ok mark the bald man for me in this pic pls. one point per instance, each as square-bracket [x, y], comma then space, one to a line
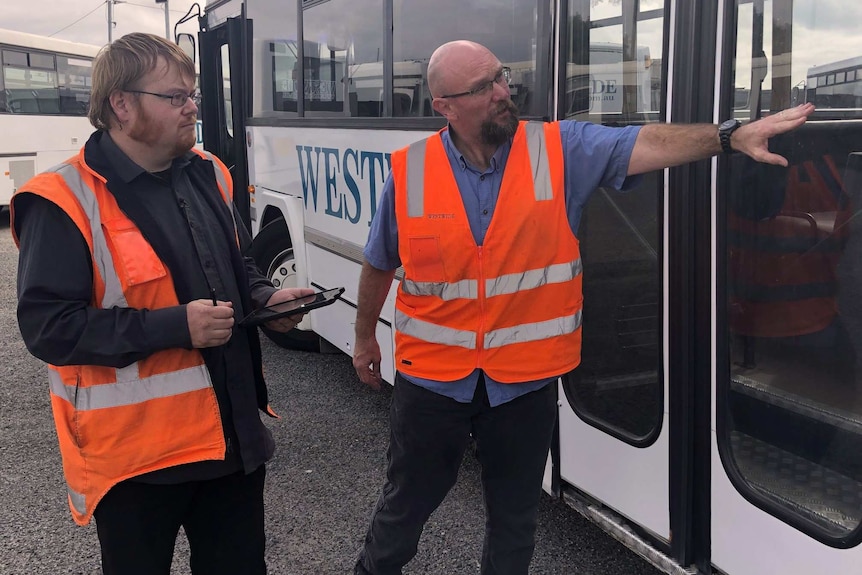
[488, 314]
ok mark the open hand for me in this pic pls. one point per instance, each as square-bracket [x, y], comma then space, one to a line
[753, 139]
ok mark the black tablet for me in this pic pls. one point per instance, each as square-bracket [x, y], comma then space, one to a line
[293, 306]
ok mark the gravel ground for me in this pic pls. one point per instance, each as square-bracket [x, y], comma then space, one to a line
[321, 485]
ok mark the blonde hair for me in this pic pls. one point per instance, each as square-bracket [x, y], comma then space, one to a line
[125, 61]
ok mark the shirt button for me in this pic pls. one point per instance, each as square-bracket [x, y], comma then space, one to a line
[484, 212]
[482, 178]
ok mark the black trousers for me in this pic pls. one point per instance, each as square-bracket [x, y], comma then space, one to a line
[428, 436]
[138, 525]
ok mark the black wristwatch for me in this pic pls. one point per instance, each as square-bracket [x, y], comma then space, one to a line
[725, 130]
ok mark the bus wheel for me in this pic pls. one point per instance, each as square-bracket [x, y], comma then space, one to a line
[273, 254]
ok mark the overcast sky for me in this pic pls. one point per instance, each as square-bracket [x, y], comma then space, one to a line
[58, 18]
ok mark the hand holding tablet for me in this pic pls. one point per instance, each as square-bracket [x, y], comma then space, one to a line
[290, 307]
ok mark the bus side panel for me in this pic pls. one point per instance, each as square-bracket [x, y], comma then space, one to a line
[335, 323]
[32, 144]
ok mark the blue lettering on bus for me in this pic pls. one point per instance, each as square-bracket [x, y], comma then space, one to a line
[199, 133]
[330, 168]
[343, 174]
[351, 158]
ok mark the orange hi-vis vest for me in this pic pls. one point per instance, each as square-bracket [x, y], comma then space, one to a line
[117, 423]
[512, 306]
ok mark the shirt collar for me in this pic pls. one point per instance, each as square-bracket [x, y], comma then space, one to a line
[123, 165]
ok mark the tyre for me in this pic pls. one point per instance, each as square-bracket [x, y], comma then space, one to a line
[272, 251]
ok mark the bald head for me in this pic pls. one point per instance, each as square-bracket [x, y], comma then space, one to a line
[451, 64]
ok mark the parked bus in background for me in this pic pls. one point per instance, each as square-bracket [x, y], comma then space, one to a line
[715, 422]
[837, 85]
[44, 96]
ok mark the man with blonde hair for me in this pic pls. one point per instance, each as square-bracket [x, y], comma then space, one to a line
[131, 274]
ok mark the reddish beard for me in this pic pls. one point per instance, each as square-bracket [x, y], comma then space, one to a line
[147, 131]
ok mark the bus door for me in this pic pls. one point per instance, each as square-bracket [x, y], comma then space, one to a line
[613, 427]
[225, 105]
[786, 445]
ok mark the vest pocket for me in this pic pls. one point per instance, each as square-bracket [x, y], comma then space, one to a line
[135, 259]
[425, 256]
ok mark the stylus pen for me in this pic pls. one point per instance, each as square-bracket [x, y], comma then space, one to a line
[213, 294]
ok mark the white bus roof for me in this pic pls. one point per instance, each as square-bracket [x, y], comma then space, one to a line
[24, 40]
[841, 64]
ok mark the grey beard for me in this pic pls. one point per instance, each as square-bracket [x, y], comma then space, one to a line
[494, 134]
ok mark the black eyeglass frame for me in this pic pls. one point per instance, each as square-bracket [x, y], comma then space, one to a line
[178, 99]
[504, 73]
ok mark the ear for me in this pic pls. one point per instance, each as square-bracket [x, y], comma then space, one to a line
[121, 104]
[443, 107]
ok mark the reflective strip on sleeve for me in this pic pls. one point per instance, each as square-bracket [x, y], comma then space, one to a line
[530, 279]
[464, 289]
[416, 179]
[130, 392]
[102, 259]
[537, 146]
[533, 331]
[432, 333]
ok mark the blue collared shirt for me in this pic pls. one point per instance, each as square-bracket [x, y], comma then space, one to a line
[595, 156]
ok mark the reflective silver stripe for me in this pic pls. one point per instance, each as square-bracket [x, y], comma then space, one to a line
[101, 254]
[128, 373]
[79, 502]
[464, 289]
[512, 283]
[539, 160]
[433, 333]
[222, 182]
[130, 392]
[220, 179]
[416, 179]
[533, 331]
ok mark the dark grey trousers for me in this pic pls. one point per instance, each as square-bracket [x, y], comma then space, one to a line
[428, 436]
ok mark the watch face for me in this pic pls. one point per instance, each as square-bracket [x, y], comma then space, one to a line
[728, 124]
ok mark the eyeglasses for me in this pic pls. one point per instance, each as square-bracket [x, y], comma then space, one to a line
[178, 99]
[503, 77]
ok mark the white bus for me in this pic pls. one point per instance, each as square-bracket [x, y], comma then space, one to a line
[836, 85]
[44, 96]
[715, 423]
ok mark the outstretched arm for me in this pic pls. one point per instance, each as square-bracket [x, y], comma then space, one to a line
[665, 145]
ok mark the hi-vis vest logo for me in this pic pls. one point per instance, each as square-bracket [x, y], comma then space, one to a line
[343, 176]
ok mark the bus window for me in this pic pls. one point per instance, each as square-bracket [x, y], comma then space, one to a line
[30, 80]
[508, 30]
[618, 386]
[790, 417]
[608, 80]
[75, 79]
[343, 41]
[274, 59]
